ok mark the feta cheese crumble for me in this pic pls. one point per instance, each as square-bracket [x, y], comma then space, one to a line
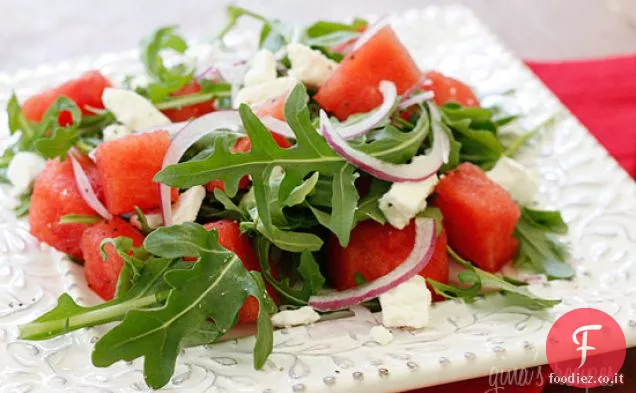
[132, 110]
[405, 199]
[115, 131]
[262, 68]
[515, 179]
[310, 66]
[23, 169]
[407, 305]
[185, 209]
[302, 316]
[381, 335]
[257, 94]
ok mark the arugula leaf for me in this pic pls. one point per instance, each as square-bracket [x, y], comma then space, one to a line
[369, 207]
[537, 248]
[274, 34]
[23, 206]
[322, 28]
[475, 134]
[214, 288]
[308, 269]
[299, 193]
[67, 316]
[310, 154]
[165, 80]
[474, 279]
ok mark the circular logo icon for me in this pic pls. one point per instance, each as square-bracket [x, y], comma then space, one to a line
[586, 349]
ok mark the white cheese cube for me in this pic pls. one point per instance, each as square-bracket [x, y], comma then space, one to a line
[407, 305]
[258, 94]
[133, 110]
[381, 335]
[405, 199]
[302, 316]
[262, 68]
[515, 179]
[310, 66]
[115, 131]
[185, 209]
[23, 169]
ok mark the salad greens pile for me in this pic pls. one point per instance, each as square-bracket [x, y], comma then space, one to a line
[298, 196]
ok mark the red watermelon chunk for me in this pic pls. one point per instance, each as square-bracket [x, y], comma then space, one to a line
[55, 194]
[190, 111]
[479, 217]
[86, 91]
[449, 89]
[230, 237]
[375, 250]
[128, 166]
[274, 107]
[353, 87]
[102, 275]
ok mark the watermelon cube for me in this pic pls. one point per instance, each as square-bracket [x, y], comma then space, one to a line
[86, 91]
[375, 250]
[354, 86]
[55, 194]
[127, 167]
[479, 217]
[102, 275]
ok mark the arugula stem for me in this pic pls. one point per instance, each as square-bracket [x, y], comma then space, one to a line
[521, 140]
[98, 315]
[190, 99]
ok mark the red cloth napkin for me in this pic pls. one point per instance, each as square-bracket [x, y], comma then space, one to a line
[602, 95]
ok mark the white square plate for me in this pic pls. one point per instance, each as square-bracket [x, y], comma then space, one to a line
[597, 199]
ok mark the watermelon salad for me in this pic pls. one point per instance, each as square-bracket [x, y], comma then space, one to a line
[325, 171]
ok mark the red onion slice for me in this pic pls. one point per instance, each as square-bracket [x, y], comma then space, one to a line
[420, 168]
[86, 190]
[369, 32]
[278, 126]
[389, 96]
[185, 138]
[172, 128]
[416, 99]
[419, 257]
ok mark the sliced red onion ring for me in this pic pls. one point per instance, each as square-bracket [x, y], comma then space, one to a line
[419, 257]
[86, 190]
[416, 99]
[172, 128]
[211, 73]
[185, 138]
[278, 126]
[389, 96]
[424, 81]
[369, 32]
[420, 168]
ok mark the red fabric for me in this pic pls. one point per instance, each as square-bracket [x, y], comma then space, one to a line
[602, 95]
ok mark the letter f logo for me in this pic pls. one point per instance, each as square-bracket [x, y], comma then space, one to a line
[583, 344]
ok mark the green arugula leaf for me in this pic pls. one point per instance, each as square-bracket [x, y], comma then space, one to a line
[537, 249]
[165, 80]
[369, 207]
[274, 34]
[23, 206]
[308, 269]
[475, 134]
[299, 193]
[214, 288]
[322, 28]
[62, 137]
[474, 279]
[67, 316]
